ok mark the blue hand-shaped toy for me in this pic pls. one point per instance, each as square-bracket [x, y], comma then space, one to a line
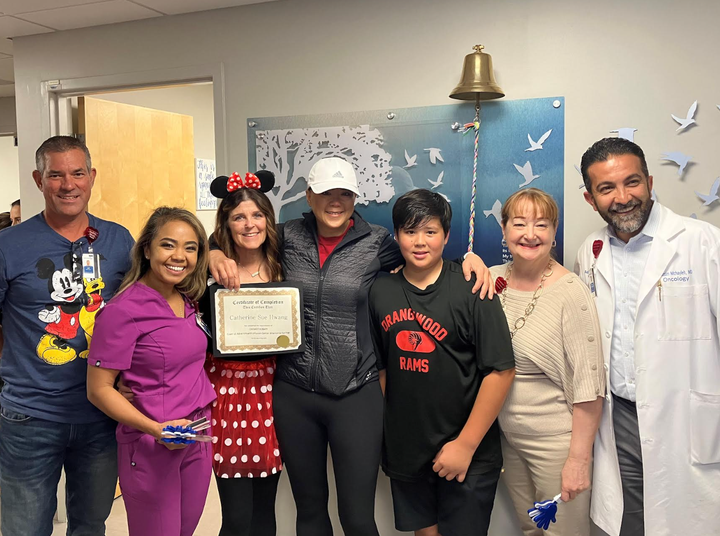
[544, 512]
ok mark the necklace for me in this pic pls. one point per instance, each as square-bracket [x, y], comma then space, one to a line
[252, 274]
[520, 322]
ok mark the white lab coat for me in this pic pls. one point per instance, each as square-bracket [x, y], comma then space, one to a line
[677, 366]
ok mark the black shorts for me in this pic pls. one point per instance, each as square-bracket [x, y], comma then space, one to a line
[458, 508]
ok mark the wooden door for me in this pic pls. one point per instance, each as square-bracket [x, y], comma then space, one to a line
[144, 158]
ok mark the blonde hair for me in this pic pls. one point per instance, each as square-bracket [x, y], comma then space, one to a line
[541, 203]
[194, 285]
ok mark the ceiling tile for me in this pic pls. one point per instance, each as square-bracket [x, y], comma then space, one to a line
[174, 7]
[13, 7]
[12, 27]
[68, 18]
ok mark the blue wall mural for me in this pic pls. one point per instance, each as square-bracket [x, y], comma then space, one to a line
[418, 148]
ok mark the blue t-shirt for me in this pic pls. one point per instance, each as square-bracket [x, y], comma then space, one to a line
[49, 305]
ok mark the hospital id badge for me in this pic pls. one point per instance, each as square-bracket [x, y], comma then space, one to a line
[202, 325]
[90, 266]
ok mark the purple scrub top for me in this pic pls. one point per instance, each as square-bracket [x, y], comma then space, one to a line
[160, 355]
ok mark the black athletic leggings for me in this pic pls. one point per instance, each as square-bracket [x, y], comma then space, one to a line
[306, 423]
[248, 505]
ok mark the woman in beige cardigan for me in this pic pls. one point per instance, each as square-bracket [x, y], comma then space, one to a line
[553, 409]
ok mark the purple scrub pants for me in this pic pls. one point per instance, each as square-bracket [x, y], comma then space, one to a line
[164, 490]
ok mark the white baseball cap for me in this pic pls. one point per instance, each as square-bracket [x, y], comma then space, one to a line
[330, 173]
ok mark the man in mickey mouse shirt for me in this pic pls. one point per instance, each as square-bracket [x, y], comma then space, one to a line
[56, 271]
[448, 366]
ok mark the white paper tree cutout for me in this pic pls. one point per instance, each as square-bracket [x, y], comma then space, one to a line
[290, 154]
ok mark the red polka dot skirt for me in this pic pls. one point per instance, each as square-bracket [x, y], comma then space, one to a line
[244, 440]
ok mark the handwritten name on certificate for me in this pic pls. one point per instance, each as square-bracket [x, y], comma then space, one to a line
[258, 320]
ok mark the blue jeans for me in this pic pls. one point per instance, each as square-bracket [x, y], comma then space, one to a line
[32, 454]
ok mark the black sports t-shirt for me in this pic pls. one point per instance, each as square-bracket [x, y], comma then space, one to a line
[437, 345]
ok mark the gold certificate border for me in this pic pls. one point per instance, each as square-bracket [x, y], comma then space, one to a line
[294, 295]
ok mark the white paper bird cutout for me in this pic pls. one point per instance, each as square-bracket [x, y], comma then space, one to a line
[438, 182]
[718, 105]
[435, 155]
[627, 133]
[713, 196]
[688, 120]
[411, 160]
[495, 211]
[444, 197]
[679, 158]
[577, 168]
[534, 146]
[527, 173]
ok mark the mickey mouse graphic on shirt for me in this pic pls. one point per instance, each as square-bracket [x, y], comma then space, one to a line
[76, 303]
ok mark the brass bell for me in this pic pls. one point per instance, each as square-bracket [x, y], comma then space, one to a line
[477, 81]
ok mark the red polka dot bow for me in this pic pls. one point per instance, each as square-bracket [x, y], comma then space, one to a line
[251, 181]
[235, 182]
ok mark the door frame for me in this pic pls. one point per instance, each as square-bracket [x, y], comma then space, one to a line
[53, 91]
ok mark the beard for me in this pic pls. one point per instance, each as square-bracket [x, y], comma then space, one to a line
[628, 223]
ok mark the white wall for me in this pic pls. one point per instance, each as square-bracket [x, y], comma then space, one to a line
[194, 100]
[7, 115]
[618, 64]
[9, 173]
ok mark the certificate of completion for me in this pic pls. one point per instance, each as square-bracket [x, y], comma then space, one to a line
[257, 319]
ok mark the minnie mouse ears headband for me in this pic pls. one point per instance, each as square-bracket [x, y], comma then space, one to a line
[223, 186]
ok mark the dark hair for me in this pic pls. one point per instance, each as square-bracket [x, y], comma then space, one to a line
[416, 207]
[194, 285]
[5, 220]
[15, 203]
[271, 246]
[60, 144]
[601, 150]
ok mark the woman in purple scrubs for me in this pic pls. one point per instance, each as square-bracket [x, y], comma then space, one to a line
[150, 332]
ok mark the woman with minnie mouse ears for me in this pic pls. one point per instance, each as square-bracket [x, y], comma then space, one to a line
[246, 459]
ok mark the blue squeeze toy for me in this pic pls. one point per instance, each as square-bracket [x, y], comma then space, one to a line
[179, 435]
[186, 434]
[544, 512]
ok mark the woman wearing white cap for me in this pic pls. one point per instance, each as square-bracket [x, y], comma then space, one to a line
[330, 393]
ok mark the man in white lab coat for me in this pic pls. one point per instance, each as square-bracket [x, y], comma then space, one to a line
[655, 276]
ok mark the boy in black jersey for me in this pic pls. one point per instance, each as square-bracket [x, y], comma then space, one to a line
[448, 366]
